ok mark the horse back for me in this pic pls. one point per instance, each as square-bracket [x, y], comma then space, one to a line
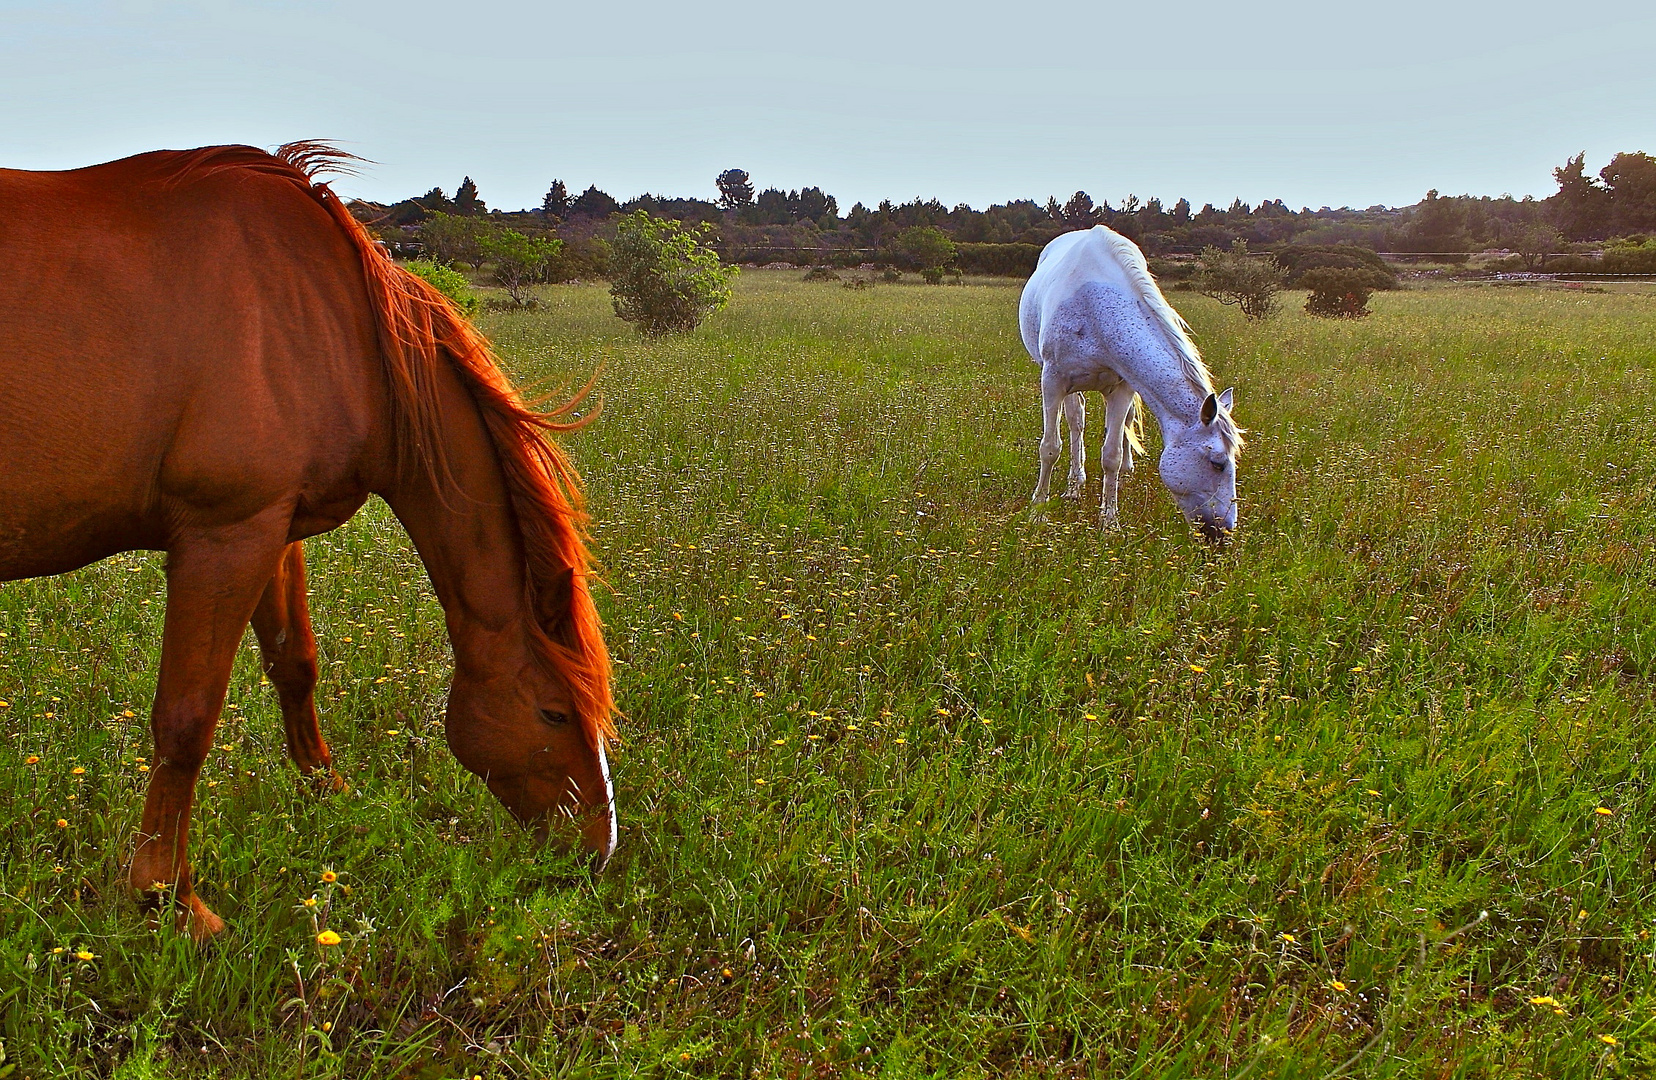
[174, 347]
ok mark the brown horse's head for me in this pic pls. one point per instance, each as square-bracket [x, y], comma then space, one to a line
[522, 732]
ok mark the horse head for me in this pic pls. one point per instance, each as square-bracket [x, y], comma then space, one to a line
[1198, 465]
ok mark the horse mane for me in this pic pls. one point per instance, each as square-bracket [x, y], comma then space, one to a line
[420, 329]
[1137, 272]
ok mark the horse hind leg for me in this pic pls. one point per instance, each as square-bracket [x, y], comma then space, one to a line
[287, 652]
[1075, 417]
[214, 579]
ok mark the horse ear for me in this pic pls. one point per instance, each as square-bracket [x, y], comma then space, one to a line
[1210, 409]
[552, 600]
[1227, 398]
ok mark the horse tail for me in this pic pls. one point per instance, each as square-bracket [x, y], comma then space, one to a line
[1134, 428]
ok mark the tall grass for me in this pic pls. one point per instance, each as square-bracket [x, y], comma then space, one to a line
[915, 782]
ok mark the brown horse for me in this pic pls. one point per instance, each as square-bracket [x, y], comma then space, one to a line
[204, 353]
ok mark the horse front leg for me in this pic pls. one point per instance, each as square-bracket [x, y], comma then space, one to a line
[214, 579]
[1116, 456]
[1075, 418]
[287, 652]
[1052, 441]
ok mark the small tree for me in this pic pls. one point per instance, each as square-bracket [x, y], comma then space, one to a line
[448, 281]
[923, 248]
[664, 278]
[1535, 242]
[1338, 292]
[520, 261]
[1240, 279]
[450, 238]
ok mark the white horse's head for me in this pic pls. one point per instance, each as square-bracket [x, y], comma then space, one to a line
[1198, 465]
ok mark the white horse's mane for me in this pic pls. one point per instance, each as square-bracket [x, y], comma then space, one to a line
[1137, 272]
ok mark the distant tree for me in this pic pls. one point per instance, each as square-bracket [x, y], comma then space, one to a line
[435, 201]
[1181, 212]
[924, 247]
[466, 201]
[1436, 225]
[664, 278]
[735, 189]
[1079, 212]
[773, 208]
[1241, 279]
[450, 238]
[816, 205]
[519, 261]
[1581, 206]
[556, 202]
[593, 203]
[1630, 180]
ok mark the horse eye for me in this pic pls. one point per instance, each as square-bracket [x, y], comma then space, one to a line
[1219, 466]
[554, 718]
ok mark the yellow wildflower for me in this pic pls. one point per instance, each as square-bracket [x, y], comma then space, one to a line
[327, 937]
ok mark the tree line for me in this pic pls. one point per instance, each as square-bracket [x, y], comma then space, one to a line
[807, 226]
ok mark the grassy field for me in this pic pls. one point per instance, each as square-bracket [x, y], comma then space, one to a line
[918, 784]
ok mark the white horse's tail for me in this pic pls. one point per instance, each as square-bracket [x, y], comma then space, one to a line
[1134, 428]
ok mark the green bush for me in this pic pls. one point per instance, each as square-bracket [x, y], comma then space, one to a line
[891, 275]
[520, 261]
[449, 238]
[1338, 292]
[664, 278]
[932, 275]
[821, 273]
[1633, 255]
[923, 247]
[448, 281]
[1300, 260]
[1241, 279]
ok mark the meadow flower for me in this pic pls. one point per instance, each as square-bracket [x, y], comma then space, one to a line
[85, 955]
[77, 771]
[1603, 811]
[329, 877]
[327, 937]
[62, 823]
[1287, 939]
[1609, 1040]
[1338, 985]
[32, 759]
[1543, 1000]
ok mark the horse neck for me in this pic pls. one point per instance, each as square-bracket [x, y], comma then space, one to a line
[1156, 373]
[466, 534]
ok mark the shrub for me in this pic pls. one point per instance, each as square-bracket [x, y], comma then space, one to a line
[923, 247]
[1338, 292]
[664, 279]
[891, 275]
[1300, 260]
[821, 273]
[932, 275]
[520, 261]
[857, 283]
[448, 281]
[1633, 255]
[1240, 279]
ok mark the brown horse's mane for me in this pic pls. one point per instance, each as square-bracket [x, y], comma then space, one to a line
[418, 328]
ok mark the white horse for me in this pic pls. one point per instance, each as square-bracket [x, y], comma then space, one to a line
[1092, 317]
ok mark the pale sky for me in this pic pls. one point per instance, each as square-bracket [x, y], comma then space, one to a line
[965, 102]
